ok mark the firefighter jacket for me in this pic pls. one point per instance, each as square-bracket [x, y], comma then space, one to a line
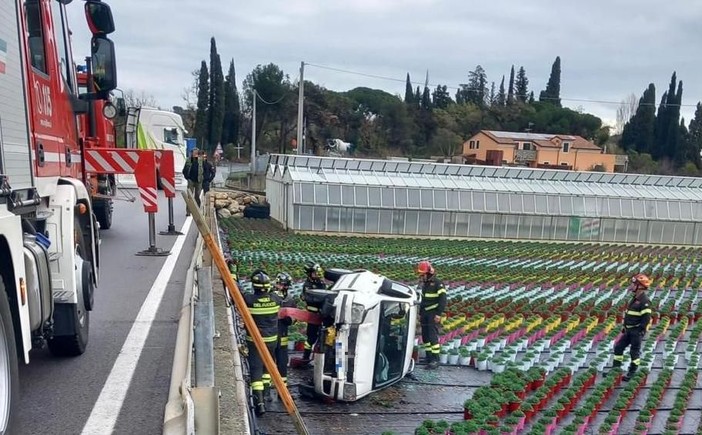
[433, 296]
[638, 314]
[313, 304]
[264, 307]
[285, 322]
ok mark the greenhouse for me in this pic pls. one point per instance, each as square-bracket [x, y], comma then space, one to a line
[338, 195]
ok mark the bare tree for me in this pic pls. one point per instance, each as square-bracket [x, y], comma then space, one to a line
[134, 98]
[189, 96]
[625, 111]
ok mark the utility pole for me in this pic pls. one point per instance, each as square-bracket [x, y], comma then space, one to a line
[300, 106]
[253, 135]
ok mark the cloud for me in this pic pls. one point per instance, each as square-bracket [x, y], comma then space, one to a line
[608, 49]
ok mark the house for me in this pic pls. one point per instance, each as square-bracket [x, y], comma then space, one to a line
[539, 151]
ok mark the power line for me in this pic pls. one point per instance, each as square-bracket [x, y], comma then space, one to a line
[256, 94]
[456, 88]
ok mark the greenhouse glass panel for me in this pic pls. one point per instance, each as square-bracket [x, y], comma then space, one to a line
[424, 226]
[320, 194]
[398, 222]
[307, 193]
[668, 232]
[698, 233]
[411, 222]
[511, 226]
[388, 196]
[578, 205]
[627, 209]
[608, 207]
[560, 228]
[490, 201]
[536, 230]
[347, 195]
[346, 220]
[662, 208]
[487, 226]
[515, 203]
[361, 196]
[304, 219]
[359, 220]
[437, 223]
[542, 204]
[440, 199]
[474, 224]
[608, 230]
[334, 194]
[682, 233]
[427, 198]
[686, 211]
[554, 205]
[525, 226]
[297, 192]
[591, 206]
[400, 197]
[374, 197]
[372, 221]
[320, 218]
[452, 200]
[385, 222]
[333, 219]
[466, 201]
[414, 198]
[655, 231]
[673, 210]
[462, 221]
[650, 209]
[503, 202]
[529, 203]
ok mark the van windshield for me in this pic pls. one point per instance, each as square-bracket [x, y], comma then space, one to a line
[392, 343]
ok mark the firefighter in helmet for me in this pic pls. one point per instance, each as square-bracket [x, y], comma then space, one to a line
[636, 323]
[282, 285]
[264, 306]
[314, 280]
[430, 311]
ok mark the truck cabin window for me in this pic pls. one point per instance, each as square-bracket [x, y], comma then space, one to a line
[392, 343]
[35, 35]
[170, 135]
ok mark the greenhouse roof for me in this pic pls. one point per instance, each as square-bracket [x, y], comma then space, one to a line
[488, 174]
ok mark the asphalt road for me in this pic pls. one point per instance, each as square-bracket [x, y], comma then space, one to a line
[58, 394]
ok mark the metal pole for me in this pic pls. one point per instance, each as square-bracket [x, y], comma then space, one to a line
[300, 107]
[171, 222]
[152, 250]
[253, 135]
[204, 331]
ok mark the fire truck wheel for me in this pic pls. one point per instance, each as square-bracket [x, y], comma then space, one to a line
[103, 213]
[9, 376]
[72, 321]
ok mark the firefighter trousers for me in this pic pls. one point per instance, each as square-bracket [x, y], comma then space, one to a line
[312, 335]
[430, 334]
[633, 338]
[281, 356]
[257, 371]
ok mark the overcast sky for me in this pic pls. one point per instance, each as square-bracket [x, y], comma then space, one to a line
[609, 49]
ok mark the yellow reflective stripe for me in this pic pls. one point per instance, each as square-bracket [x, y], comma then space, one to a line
[271, 339]
[313, 309]
[639, 313]
[619, 357]
[637, 361]
[432, 295]
[441, 291]
[431, 307]
[284, 341]
[264, 310]
[257, 385]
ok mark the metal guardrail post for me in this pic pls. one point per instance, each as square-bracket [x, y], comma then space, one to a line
[204, 331]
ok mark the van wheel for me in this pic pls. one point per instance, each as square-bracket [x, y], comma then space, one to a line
[9, 376]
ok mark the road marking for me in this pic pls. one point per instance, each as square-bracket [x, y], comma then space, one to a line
[104, 415]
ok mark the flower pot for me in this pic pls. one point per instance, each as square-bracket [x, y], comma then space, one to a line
[291, 345]
[464, 360]
[300, 346]
[453, 359]
[443, 358]
[466, 414]
[482, 365]
[513, 406]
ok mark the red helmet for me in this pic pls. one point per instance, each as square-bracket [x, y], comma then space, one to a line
[425, 268]
[641, 280]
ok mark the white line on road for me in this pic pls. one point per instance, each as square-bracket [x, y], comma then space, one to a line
[104, 415]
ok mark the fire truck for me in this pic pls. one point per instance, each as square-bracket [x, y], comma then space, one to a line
[49, 239]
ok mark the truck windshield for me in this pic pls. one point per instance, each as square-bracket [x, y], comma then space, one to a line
[392, 343]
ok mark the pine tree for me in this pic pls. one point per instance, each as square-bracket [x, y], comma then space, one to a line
[216, 104]
[232, 109]
[409, 93]
[441, 98]
[426, 99]
[552, 94]
[694, 137]
[510, 92]
[201, 126]
[492, 100]
[477, 92]
[501, 97]
[521, 85]
[531, 97]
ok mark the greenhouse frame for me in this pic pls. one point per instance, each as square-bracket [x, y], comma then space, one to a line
[338, 195]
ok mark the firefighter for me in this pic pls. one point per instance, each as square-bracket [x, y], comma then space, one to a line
[636, 323]
[314, 274]
[264, 306]
[430, 311]
[282, 285]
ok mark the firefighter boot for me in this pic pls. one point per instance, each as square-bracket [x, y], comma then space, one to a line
[630, 374]
[433, 361]
[616, 366]
[259, 405]
[306, 354]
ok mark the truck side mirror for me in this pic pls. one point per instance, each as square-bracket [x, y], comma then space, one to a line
[103, 63]
[121, 106]
[99, 17]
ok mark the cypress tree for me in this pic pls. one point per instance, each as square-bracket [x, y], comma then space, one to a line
[552, 94]
[510, 92]
[409, 92]
[216, 104]
[501, 97]
[694, 137]
[232, 108]
[201, 126]
[638, 132]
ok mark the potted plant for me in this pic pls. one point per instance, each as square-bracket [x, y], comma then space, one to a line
[463, 356]
[453, 356]
[443, 355]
